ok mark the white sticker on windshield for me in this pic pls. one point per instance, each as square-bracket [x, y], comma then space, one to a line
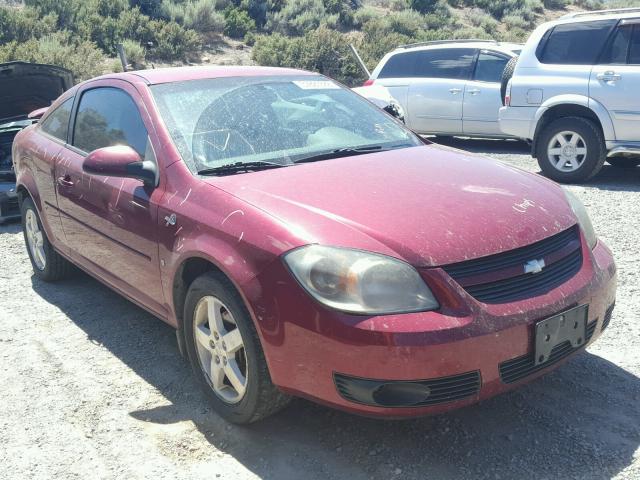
[315, 84]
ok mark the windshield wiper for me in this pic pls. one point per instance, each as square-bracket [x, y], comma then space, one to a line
[349, 151]
[239, 167]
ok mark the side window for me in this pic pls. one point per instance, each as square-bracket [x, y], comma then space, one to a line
[618, 49]
[634, 48]
[57, 123]
[400, 65]
[576, 43]
[453, 63]
[489, 67]
[108, 116]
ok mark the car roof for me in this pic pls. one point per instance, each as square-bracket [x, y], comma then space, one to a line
[180, 74]
[580, 17]
[489, 45]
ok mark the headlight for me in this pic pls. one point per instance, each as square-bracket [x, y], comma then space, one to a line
[583, 218]
[359, 282]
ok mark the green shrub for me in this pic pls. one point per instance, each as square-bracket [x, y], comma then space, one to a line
[173, 42]
[322, 50]
[201, 16]
[590, 4]
[515, 21]
[499, 8]
[378, 39]
[366, 14]
[478, 18]
[406, 22]
[153, 8]
[423, 6]
[238, 23]
[82, 57]
[23, 24]
[297, 17]
[175, 12]
[556, 4]
[64, 9]
[134, 52]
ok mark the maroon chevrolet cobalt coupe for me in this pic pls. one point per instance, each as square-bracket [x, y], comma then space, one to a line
[304, 243]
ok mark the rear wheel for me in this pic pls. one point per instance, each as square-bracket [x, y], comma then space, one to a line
[48, 264]
[571, 149]
[622, 162]
[225, 352]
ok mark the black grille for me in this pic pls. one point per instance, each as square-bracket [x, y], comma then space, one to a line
[524, 285]
[607, 317]
[416, 393]
[518, 368]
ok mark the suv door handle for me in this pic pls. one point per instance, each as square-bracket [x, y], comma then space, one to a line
[455, 91]
[474, 91]
[609, 76]
[65, 181]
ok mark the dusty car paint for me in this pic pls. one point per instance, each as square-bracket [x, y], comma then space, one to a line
[426, 205]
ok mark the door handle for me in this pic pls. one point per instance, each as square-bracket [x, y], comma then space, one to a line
[474, 91]
[65, 181]
[609, 76]
[455, 91]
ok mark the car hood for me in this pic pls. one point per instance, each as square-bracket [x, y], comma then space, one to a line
[25, 87]
[429, 205]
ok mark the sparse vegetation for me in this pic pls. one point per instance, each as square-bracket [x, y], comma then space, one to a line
[314, 34]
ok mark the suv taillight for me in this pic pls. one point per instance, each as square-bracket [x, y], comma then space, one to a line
[507, 95]
[368, 83]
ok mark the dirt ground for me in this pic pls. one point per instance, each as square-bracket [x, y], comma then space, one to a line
[93, 387]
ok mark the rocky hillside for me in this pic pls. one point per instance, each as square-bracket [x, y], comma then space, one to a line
[314, 34]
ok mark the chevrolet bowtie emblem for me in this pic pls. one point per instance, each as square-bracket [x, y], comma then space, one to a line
[534, 266]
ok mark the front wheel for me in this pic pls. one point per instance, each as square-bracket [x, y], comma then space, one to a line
[48, 265]
[225, 352]
[571, 149]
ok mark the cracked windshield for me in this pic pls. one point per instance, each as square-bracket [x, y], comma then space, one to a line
[275, 121]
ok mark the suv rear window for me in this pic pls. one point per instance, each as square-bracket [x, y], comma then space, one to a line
[454, 63]
[575, 43]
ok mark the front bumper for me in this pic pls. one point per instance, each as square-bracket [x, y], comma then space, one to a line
[518, 121]
[311, 350]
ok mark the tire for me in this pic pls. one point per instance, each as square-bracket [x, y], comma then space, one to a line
[48, 265]
[622, 162]
[507, 73]
[260, 397]
[591, 142]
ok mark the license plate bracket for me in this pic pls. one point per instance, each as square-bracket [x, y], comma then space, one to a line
[570, 326]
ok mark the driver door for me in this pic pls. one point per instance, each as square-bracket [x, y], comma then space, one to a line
[111, 223]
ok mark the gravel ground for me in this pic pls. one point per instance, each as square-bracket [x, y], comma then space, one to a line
[93, 386]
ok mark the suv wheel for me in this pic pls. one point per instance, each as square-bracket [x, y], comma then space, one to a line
[622, 162]
[225, 352]
[571, 149]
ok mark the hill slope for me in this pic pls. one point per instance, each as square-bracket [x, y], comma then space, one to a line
[314, 34]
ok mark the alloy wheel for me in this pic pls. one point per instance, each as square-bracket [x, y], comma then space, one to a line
[220, 349]
[567, 151]
[35, 239]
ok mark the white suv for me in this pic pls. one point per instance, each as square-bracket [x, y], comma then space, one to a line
[447, 87]
[575, 93]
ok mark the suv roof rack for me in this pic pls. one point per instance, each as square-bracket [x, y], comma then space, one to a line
[442, 42]
[601, 12]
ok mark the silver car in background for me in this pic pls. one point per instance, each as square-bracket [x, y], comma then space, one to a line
[575, 94]
[447, 87]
